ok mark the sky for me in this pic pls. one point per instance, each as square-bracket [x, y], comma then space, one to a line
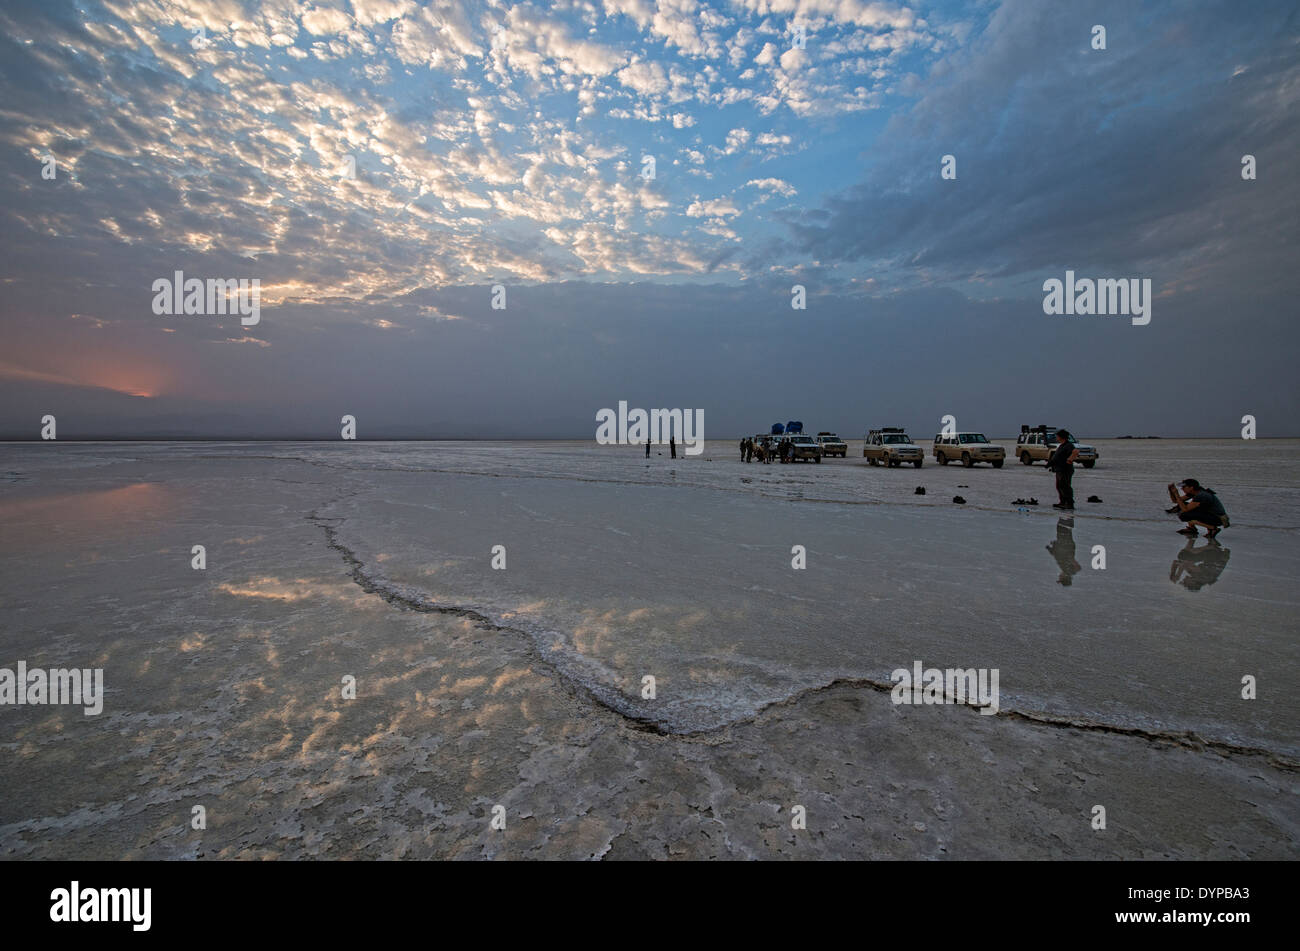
[642, 184]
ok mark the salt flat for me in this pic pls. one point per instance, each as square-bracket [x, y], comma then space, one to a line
[523, 687]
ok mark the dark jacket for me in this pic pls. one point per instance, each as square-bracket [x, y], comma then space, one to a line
[1059, 460]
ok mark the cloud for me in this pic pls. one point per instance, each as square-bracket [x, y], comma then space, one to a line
[644, 78]
[871, 14]
[641, 11]
[1121, 161]
[365, 160]
[736, 140]
[373, 12]
[322, 21]
[713, 208]
[785, 189]
[539, 45]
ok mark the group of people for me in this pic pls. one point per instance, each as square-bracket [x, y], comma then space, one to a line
[1195, 505]
[765, 449]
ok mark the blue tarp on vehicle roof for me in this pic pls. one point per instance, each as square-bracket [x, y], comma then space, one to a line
[777, 429]
[794, 426]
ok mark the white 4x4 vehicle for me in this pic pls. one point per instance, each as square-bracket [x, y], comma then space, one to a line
[1037, 444]
[968, 449]
[804, 447]
[832, 445]
[891, 447]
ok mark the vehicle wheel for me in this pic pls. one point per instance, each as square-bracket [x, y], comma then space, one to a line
[966, 460]
[1089, 465]
[943, 460]
[1024, 457]
[918, 463]
[997, 463]
[894, 463]
[819, 458]
[870, 461]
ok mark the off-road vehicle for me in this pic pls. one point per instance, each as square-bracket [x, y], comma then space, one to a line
[804, 447]
[832, 445]
[1037, 443]
[891, 446]
[968, 449]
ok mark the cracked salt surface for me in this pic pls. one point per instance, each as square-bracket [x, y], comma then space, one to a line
[222, 686]
[694, 586]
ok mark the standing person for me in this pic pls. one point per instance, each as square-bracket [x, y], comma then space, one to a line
[647, 449]
[742, 450]
[1200, 506]
[672, 446]
[1062, 463]
[749, 448]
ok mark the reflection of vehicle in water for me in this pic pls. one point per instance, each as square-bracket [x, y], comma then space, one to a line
[1063, 551]
[1195, 567]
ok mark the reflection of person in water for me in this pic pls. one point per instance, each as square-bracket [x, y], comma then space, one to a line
[1063, 551]
[1194, 567]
